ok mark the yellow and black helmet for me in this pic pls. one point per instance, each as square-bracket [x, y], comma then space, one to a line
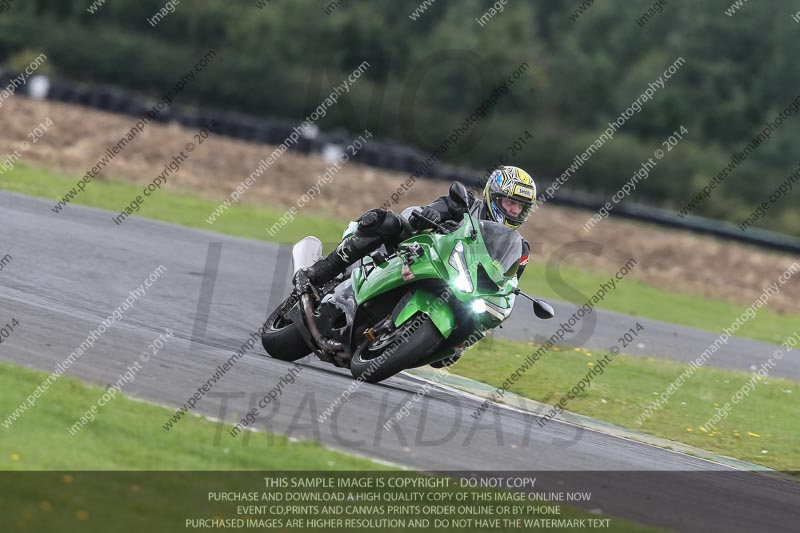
[509, 196]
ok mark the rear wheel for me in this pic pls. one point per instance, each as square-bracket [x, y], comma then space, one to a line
[281, 338]
[394, 352]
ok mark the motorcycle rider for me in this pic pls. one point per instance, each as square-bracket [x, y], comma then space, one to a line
[508, 198]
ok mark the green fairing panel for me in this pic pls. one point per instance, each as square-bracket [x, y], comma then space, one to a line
[388, 277]
[381, 279]
[423, 301]
[434, 264]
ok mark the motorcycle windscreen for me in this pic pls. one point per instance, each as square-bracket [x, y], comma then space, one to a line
[504, 246]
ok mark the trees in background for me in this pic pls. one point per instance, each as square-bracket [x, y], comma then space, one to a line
[281, 60]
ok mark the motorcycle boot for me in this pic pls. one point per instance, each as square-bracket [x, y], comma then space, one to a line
[366, 239]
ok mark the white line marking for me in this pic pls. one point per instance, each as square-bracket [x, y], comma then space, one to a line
[475, 397]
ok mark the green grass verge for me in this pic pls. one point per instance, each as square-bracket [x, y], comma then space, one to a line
[633, 380]
[251, 221]
[127, 435]
[635, 298]
[761, 428]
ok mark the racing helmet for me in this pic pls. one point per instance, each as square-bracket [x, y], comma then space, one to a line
[509, 196]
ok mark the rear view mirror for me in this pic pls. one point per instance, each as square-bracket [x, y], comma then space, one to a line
[459, 195]
[543, 310]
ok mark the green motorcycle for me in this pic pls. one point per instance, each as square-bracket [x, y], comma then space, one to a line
[422, 302]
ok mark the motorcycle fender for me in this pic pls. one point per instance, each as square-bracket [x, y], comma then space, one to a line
[423, 301]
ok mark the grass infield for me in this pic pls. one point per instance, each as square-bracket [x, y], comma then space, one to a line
[253, 220]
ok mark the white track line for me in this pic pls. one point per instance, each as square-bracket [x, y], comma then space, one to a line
[475, 397]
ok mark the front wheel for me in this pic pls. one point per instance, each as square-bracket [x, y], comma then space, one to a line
[281, 338]
[394, 352]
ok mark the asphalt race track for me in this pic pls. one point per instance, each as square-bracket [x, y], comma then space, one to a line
[69, 271]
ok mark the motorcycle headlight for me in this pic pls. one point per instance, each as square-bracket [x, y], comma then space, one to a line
[463, 282]
[479, 306]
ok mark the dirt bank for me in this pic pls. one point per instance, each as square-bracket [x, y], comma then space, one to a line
[669, 259]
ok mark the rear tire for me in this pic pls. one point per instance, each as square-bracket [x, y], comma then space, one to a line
[394, 352]
[282, 339]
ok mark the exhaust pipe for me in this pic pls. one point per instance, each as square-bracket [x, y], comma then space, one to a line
[329, 345]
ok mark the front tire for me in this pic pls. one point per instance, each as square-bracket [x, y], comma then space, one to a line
[282, 339]
[394, 352]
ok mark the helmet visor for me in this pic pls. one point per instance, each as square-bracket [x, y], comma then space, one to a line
[515, 211]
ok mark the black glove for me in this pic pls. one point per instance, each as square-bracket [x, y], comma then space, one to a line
[419, 223]
[450, 225]
[301, 281]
